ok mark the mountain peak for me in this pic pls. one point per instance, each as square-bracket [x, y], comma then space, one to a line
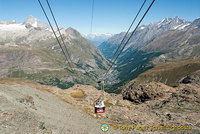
[30, 19]
[33, 22]
[70, 29]
[164, 21]
[72, 32]
[173, 23]
[167, 19]
[196, 22]
[177, 20]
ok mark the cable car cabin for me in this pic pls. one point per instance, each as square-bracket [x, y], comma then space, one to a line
[99, 107]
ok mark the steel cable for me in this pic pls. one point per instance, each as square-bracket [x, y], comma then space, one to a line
[116, 50]
[54, 33]
[129, 38]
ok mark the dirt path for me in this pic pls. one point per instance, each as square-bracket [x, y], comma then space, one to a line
[25, 110]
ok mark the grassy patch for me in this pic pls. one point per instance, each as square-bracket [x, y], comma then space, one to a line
[170, 73]
[78, 94]
[108, 104]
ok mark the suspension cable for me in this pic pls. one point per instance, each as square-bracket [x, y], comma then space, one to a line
[54, 33]
[116, 50]
[130, 37]
[92, 17]
[59, 31]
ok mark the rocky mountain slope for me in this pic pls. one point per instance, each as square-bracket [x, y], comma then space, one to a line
[171, 39]
[29, 50]
[27, 106]
[170, 73]
[146, 34]
[183, 97]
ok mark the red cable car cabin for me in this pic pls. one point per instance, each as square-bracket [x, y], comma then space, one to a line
[99, 107]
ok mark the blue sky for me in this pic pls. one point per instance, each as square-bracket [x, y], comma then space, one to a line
[110, 16]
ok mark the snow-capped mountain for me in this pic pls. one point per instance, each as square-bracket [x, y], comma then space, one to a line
[97, 39]
[174, 23]
[33, 22]
[30, 32]
[31, 48]
[144, 34]
[12, 27]
[170, 39]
